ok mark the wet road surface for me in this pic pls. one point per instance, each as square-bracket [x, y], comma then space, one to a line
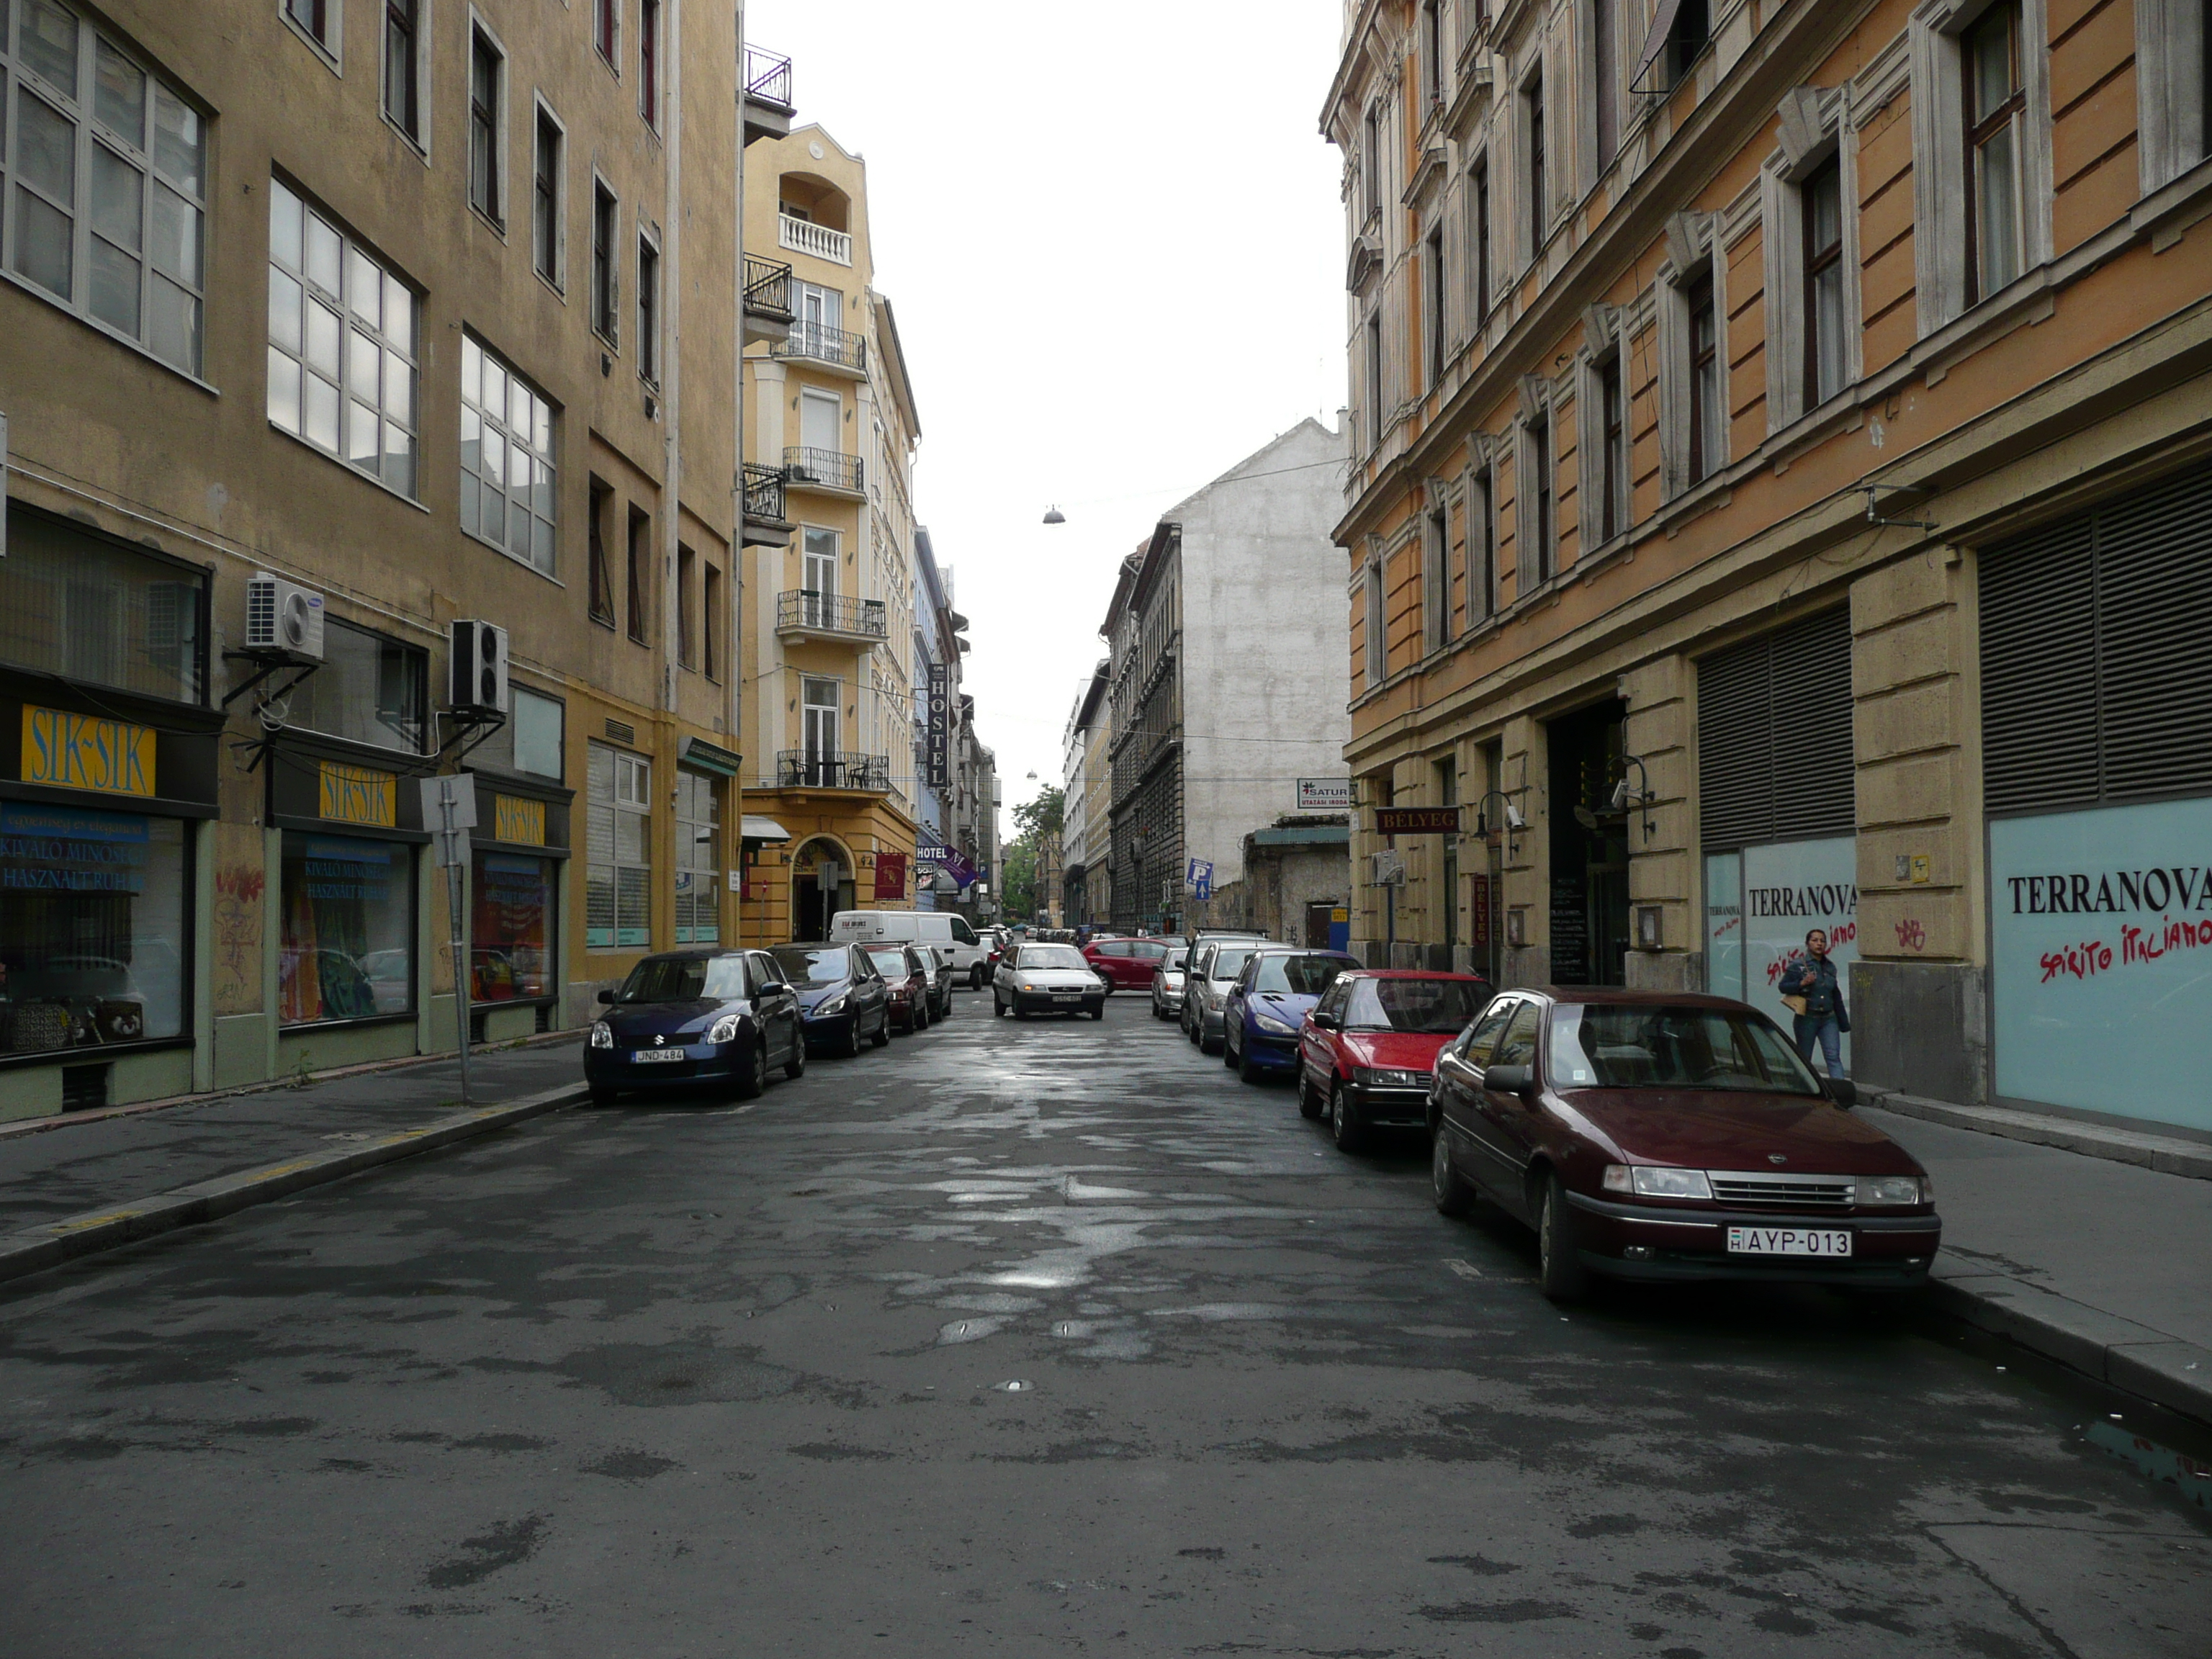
[1037, 1338]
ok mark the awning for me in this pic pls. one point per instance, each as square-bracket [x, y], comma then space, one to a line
[764, 830]
[1662, 25]
[701, 756]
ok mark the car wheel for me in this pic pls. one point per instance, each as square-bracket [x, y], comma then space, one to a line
[975, 977]
[795, 1067]
[1214, 1047]
[1246, 1071]
[754, 1078]
[1453, 1196]
[921, 1015]
[1310, 1098]
[1020, 1012]
[850, 1049]
[1345, 1128]
[884, 1031]
[945, 1013]
[1560, 1274]
[1099, 1012]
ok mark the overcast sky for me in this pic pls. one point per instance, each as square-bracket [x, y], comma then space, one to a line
[1113, 240]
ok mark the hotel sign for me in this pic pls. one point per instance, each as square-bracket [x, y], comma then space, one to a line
[81, 751]
[357, 795]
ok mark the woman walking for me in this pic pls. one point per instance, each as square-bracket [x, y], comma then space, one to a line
[1815, 996]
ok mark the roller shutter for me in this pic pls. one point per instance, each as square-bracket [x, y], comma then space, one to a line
[1774, 736]
[2097, 654]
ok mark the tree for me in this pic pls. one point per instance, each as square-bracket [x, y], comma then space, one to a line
[1037, 824]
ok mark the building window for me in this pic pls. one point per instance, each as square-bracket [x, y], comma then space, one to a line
[1612, 453]
[1479, 235]
[94, 940]
[2173, 88]
[1704, 379]
[1374, 377]
[402, 66]
[1432, 320]
[536, 730]
[698, 859]
[1432, 57]
[487, 96]
[369, 690]
[648, 311]
[648, 61]
[710, 624]
[1435, 579]
[606, 224]
[347, 944]
[1686, 41]
[1820, 206]
[1536, 527]
[1540, 200]
[105, 178]
[618, 856]
[506, 457]
[1371, 163]
[606, 30]
[318, 19]
[546, 197]
[1481, 549]
[1604, 79]
[76, 605]
[510, 955]
[640, 553]
[602, 600]
[1995, 99]
[1377, 647]
[341, 346]
[687, 619]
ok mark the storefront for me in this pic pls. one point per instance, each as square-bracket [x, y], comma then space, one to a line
[519, 850]
[704, 771]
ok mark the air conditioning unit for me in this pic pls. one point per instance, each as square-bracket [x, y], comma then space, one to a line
[1389, 869]
[283, 617]
[479, 670]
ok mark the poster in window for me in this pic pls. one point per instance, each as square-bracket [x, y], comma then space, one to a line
[347, 913]
[510, 928]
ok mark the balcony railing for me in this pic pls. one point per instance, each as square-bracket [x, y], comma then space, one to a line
[768, 77]
[832, 613]
[824, 469]
[827, 768]
[767, 286]
[805, 236]
[764, 494]
[825, 345]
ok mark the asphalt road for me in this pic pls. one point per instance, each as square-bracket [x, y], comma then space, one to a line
[1021, 1339]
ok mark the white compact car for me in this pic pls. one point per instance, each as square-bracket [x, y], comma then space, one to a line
[1046, 979]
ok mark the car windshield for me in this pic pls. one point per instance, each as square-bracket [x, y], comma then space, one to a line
[1414, 1005]
[824, 964]
[685, 979]
[1038, 956]
[1299, 976]
[1634, 1046]
[1175, 957]
[1229, 961]
[890, 960]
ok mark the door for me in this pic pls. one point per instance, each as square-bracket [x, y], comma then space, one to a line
[1504, 1129]
[1459, 1077]
[821, 425]
[1317, 919]
[819, 309]
[818, 579]
[775, 1005]
[818, 733]
[1317, 1045]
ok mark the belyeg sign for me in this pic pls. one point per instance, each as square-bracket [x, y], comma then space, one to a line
[1417, 820]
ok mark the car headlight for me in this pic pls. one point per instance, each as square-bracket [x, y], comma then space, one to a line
[602, 1035]
[1869, 1191]
[1024, 985]
[1269, 1022]
[831, 1005]
[1646, 1181]
[725, 1030]
[1390, 1077]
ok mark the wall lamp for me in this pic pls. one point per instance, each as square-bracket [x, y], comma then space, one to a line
[1510, 816]
[1624, 797]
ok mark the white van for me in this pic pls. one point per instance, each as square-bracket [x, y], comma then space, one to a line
[946, 930]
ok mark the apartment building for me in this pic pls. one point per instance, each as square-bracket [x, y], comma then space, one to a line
[1780, 499]
[1228, 685]
[832, 425]
[937, 650]
[367, 385]
[1085, 823]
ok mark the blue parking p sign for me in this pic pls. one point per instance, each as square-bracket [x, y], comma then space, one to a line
[1199, 878]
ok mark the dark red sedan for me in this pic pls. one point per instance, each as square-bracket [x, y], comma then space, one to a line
[1126, 965]
[1367, 1049]
[1656, 1136]
[906, 979]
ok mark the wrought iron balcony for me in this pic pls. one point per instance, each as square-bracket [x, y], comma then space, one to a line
[828, 769]
[811, 341]
[768, 77]
[804, 611]
[823, 468]
[766, 524]
[768, 287]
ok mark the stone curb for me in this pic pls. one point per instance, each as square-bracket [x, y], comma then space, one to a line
[2167, 1154]
[33, 1249]
[2144, 1362]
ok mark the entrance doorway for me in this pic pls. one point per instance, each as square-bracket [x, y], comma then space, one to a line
[1589, 849]
[821, 888]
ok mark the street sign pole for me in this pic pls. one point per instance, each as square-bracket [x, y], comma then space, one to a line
[449, 806]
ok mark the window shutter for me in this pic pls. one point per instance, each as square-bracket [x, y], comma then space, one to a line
[2039, 670]
[1775, 759]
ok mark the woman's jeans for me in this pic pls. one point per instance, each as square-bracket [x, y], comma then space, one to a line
[1831, 1036]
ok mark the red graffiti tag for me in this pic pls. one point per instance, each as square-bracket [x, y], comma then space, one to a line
[1911, 935]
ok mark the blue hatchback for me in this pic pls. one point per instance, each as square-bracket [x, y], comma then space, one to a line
[1262, 1011]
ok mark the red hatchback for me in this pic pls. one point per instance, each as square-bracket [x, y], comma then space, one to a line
[1126, 965]
[1366, 1051]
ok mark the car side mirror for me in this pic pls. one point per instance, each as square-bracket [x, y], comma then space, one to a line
[1323, 1022]
[1510, 1079]
[1841, 1091]
[608, 998]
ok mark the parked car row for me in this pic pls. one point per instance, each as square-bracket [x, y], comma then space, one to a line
[685, 1019]
[1643, 1135]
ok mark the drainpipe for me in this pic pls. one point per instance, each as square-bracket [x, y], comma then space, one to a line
[736, 667]
[669, 304]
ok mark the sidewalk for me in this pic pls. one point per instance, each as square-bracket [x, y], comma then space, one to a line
[2105, 1266]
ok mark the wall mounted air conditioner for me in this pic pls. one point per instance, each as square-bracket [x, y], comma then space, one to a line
[479, 668]
[283, 617]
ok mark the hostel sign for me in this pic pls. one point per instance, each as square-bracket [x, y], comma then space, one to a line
[939, 738]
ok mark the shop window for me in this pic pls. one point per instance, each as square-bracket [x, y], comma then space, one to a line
[93, 929]
[506, 457]
[619, 870]
[347, 947]
[80, 606]
[369, 689]
[698, 859]
[341, 346]
[512, 926]
[105, 178]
